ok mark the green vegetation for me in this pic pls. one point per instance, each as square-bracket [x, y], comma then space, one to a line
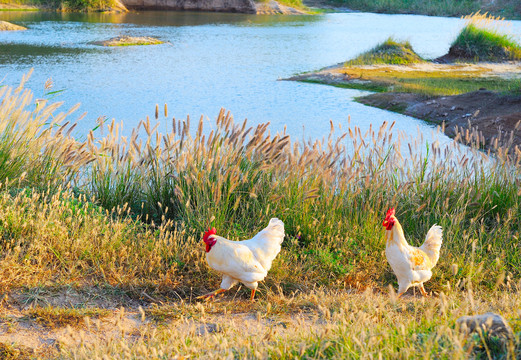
[388, 52]
[10, 352]
[440, 80]
[477, 44]
[65, 5]
[479, 40]
[128, 214]
[297, 4]
[506, 8]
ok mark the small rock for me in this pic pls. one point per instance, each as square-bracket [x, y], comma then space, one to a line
[208, 329]
[283, 324]
[128, 41]
[493, 324]
[453, 108]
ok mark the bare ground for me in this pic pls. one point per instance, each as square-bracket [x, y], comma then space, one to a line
[493, 115]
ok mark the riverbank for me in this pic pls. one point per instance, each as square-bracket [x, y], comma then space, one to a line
[456, 96]
[64, 5]
[271, 7]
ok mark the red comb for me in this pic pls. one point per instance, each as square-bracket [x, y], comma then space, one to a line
[390, 213]
[388, 222]
[209, 232]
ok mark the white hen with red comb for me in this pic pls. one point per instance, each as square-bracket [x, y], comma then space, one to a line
[247, 261]
[411, 265]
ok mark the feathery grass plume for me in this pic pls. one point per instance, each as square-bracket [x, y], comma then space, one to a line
[483, 39]
[36, 147]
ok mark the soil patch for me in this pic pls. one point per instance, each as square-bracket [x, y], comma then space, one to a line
[494, 116]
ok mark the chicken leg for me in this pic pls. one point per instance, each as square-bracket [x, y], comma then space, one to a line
[209, 296]
[422, 290]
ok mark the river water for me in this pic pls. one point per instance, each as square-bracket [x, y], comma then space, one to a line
[212, 60]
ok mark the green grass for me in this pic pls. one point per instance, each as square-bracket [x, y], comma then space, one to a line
[388, 52]
[293, 3]
[506, 8]
[65, 5]
[477, 44]
[428, 82]
[160, 197]
[19, 9]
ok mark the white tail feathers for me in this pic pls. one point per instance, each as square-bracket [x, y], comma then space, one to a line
[275, 229]
[432, 243]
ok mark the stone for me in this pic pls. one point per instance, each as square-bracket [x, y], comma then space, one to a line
[492, 324]
[7, 26]
[128, 41]
[208, 329]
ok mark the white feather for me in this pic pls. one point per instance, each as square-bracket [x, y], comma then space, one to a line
[246, 261]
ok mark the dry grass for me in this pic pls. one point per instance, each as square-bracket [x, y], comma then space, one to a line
[318, 324]
[127, 213]
[55, 316]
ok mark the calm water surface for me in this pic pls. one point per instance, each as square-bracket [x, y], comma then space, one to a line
[210, 61]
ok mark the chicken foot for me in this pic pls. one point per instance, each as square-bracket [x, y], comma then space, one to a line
[209, 296]
[422, 290]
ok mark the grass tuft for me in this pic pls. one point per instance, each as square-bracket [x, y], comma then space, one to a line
[12, 352]
[481, 40]
[388, 52]
[58, 317]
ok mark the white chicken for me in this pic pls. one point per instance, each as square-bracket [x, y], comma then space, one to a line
[411, 265]
[246, 261]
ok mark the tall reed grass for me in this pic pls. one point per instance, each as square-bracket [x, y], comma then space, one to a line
[129, 211]
[484, 39]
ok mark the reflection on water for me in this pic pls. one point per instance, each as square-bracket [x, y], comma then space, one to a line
[212, 60]
[25, 53]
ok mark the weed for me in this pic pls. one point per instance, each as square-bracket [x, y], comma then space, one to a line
[481, 40]
[388, 52]
[507, 8]
[56, 316]
[13, 352]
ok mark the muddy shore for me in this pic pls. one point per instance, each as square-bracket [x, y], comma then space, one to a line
[493, 116]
